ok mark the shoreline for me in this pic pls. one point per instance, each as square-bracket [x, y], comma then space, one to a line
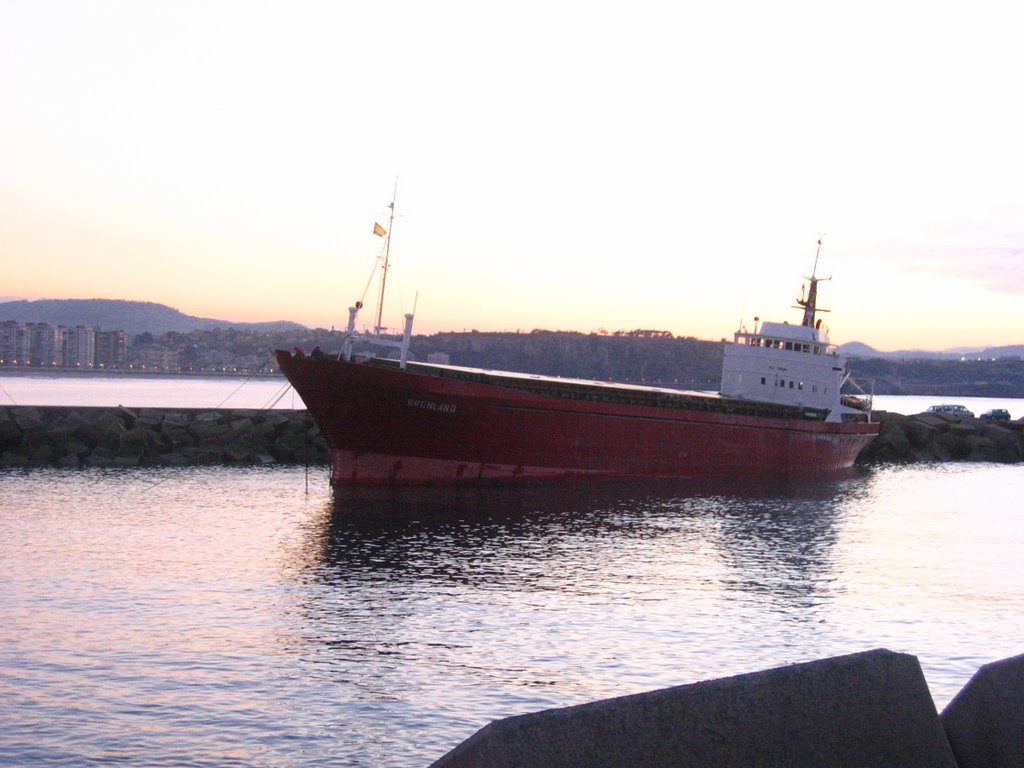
[73, 373]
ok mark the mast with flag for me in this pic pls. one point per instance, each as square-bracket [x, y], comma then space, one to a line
[377, 337]
[386, 234]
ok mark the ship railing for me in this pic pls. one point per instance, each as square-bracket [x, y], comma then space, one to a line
[862, 399]
[378, 337]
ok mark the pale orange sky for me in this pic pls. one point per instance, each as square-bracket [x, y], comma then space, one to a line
[561, 166]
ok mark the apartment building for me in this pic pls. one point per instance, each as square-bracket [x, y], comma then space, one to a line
[15, 343]
[111, 349]
[47, 344]
[80, 347]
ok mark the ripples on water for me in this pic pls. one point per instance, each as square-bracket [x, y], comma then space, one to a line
[215, 616]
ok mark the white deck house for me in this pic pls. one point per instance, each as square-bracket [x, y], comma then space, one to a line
[789, 364]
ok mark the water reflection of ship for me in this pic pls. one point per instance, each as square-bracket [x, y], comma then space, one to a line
[403, 586]
[452, 532]
[783, 549]
[773, 539]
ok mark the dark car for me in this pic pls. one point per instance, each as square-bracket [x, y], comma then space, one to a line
[996, 414]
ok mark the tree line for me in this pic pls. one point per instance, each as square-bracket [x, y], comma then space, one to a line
[650, 357]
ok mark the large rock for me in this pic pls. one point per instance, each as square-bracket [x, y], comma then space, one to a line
[892, 443]
[12, 459]
[84, 428]
[111, 420]
[241, 426]
[985, 721]
[27, 418]
[149, 417]
[176, 437]
[208, 434]
[100, 457]
[10, 432]
[866, 709]
[175, 419]
[921, 432]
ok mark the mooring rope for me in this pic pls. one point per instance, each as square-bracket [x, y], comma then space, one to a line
[244, 382]
[13, 401]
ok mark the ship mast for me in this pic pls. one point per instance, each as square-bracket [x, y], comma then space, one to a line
[377, 327]
[810, 303]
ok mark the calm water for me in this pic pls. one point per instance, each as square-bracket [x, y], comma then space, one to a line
[237, 392]
[218, 616]
[145, 391]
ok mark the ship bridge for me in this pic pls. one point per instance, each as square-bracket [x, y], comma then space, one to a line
[790, 364]
[785, 364]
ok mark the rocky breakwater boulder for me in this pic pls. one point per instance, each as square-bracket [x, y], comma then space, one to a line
[104, 437]
[944, 437]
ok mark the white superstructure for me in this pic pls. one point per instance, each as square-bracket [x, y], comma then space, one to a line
[791, 365]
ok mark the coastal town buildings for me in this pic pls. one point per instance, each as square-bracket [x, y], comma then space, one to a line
[32, 345]
[42, 345]
[15, 343]
[46, 346]
[111, 349]
[80, 347]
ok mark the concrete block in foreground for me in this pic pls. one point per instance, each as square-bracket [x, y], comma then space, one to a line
[865, 709]
[985, 721]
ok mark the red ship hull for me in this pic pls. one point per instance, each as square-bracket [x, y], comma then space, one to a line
[438, 425]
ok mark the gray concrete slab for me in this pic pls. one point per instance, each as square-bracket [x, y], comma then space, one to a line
[865, 709]
[985, 721]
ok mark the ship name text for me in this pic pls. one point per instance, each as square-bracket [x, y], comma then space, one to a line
[430, 405]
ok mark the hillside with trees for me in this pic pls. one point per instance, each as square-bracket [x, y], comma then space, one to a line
[654, 357]
[963, 378]
[132, 317]
[183, 343]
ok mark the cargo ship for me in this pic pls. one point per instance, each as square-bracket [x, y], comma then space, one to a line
[780, 414]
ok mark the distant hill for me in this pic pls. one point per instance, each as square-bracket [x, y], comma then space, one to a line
[859, 349]
[995, 353]
[133, 317]
[865, 352]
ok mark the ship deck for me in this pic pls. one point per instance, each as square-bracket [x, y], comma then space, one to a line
[612, 393]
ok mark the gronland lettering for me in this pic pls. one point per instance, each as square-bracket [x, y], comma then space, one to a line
[430, 405]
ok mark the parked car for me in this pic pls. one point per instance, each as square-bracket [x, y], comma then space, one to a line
[996, 414]
[953, 410]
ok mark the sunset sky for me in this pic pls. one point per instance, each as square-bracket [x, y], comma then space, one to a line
[560, 165]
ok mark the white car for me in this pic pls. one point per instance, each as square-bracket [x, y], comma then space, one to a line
[955, 410]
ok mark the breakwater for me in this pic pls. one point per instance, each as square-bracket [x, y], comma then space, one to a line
[77, 436]
[943, 437]
[109, 437]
